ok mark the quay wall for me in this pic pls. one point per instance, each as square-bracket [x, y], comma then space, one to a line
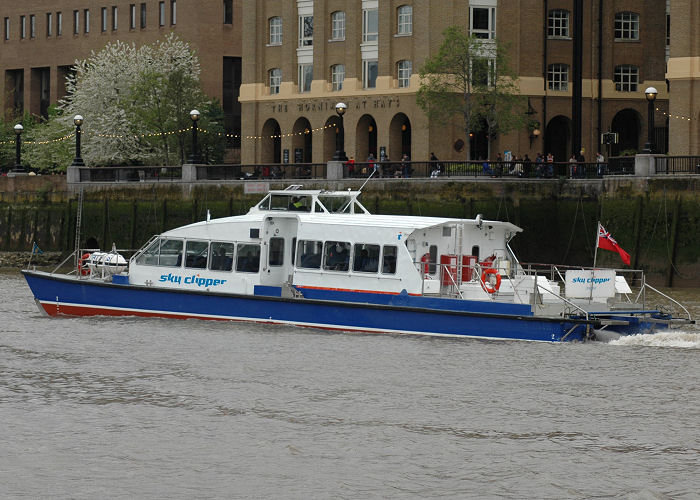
[656, 219]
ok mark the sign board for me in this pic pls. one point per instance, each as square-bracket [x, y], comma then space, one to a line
[285, 156]
[256, 187]
[582, 284]
[298, 155]
[382, 153]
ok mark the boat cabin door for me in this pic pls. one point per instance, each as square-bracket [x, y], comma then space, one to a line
[279, 238]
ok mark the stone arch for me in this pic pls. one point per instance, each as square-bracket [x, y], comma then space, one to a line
[366, 138]
[628, 125]
[302, 141]
[557, 138]
[399, 137]
[271, 143]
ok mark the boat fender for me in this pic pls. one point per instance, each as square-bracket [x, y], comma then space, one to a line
[486, 282]
[82, 264]
[426, 263]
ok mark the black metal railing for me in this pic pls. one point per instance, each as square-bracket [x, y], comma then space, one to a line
[677, 164]
[130, 174]
[266, 171]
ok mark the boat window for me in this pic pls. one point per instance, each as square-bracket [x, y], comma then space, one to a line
[265, 204]
[336, 256]
[389, 259]
[221, 256]
[170, 252]
[149, 257]
[366, 258]
[280, 202]
[299, 204]
[336, 204]
[433, 258]
[248, 260]
[309, 254]
[196, 254]
[475, 251]
[276, 251]
[294, 248]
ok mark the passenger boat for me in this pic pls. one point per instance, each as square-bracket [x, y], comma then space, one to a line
[319, 259]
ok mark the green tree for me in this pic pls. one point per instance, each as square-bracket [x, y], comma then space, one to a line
[470, 77]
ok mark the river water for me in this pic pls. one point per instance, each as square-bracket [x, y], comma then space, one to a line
[134, 408]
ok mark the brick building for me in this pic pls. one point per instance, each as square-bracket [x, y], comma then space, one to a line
[41, 40]
[304, 56]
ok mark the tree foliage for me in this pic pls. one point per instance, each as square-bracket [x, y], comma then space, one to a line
[471, 78]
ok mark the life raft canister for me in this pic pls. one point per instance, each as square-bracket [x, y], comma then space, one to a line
[486, 282]
[82, 264]
[426, 263]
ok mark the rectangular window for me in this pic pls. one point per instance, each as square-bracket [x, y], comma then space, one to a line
[114, 18]
[59, 23]
[483, 22]
[306, 74]
[276, 251]
[6, 24]
[49, 24]
[337, 77]
[162, 252]
[338, 25]
[370, 25]
[76, 22]
[103, 23]
[161, 14]
[275, 31]
[173, 12]
[366, 258]
[306, 31]
[558, 23]
[309, 254]
[626, 78]
[143, 15]
[336, 256]
[196, 253]
[32, 26]
[221, 256]
[405, 68]
[389, 259]
[275, 80]
[405, 21]
[558, 77]
[22, 27]
[86, 17]
[626, 26]
[248, 260]
[370, 69]
[228, 11]
[132, 16]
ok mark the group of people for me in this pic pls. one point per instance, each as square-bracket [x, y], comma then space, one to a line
[543, 166]
[380, 168]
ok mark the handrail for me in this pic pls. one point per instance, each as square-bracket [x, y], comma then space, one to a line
[669, 298]
[563, 299]
[64, 261]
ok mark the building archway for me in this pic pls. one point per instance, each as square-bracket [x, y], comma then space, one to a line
[330, 134]
[366, 137]
[302, 141]
[628, 124]
[478, 143]
[399, 137]
[271, 143]
[557, 138]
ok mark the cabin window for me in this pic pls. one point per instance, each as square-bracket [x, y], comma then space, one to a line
[276, 251]
[221, 256]
[248, 260]
[294, 247]
[389, 259]
[433, 259]
[163, 252]
[366, 258]
[309, 254]
[196, 253]
[446, 231]
[475, 251]
[336, 256]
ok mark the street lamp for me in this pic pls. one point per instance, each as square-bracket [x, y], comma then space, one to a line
[194, 157]
[650, 94]
[78, 160]
[340, 136]
[18, 149]
[534, 134]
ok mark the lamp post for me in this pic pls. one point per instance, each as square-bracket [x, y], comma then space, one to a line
[194, 157]
[340, 136]
[534, 134]
[18, 148]
[650, 94]
[78, 160]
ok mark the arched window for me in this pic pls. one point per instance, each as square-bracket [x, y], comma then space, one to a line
[404, 69]
[626, 78]
[405, 20]
[338, 25]
[275, 80]
[626, 26]
[275, 31]
[558, 77]
[558, 23]
[337, 76]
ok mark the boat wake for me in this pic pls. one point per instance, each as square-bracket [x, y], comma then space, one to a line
[678, 339]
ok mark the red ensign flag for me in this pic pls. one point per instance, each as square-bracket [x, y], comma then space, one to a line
[607, 242]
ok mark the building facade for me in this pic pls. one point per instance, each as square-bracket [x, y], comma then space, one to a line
[304, 56]
[41, 40]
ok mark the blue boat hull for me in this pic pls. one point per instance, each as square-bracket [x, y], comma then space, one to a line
[398, 314]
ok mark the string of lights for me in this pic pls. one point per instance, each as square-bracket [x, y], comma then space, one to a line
[677, 117]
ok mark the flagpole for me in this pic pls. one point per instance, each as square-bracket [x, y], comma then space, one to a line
[597, 237]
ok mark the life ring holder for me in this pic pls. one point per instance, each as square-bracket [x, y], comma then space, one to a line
[486, 282]
[83, 269]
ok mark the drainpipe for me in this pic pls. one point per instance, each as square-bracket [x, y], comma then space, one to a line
[544, 74]
[577, 77]
[600, 73]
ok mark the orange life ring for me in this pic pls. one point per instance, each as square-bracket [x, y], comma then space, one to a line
[82, 264]
[486, 282]
[426, 263]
